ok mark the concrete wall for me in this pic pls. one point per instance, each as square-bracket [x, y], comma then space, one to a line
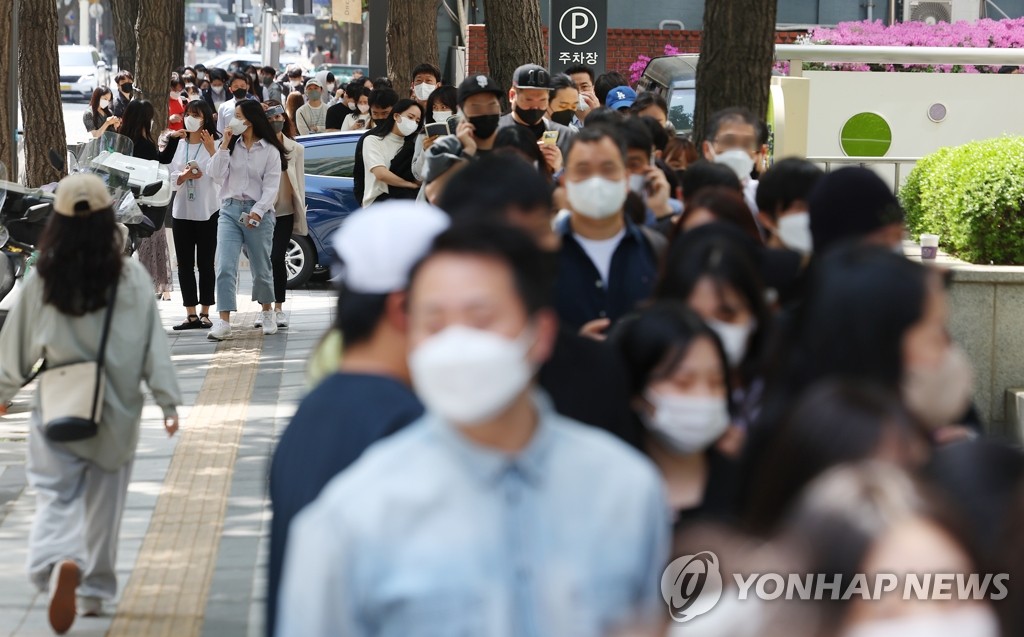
[979, 106]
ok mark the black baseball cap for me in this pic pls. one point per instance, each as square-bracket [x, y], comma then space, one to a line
[475, 84]
[531, 76]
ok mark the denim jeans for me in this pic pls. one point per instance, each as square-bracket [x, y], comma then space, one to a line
[231, 234]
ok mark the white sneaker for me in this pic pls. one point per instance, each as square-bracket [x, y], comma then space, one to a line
[258, 323]
[63, 581]
[221, 330]
[90, 606]
[269, 324]
[282, 320]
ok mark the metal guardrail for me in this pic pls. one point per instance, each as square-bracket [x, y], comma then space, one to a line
[866, 162]
[798, 54]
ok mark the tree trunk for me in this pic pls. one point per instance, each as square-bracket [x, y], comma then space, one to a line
[736, 54]
[177, 34]
[8, 120]
[42, 112]
[125, 14]
[411, 40]
[514, 38]
[156, 55]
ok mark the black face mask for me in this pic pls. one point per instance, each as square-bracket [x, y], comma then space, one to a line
[378, 122]
[126, 88]
[563, 117]
[267, 80]
[239, 94]
[530, 116]
[484, 125]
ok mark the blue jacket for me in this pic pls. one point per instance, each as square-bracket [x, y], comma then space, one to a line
[581, 294]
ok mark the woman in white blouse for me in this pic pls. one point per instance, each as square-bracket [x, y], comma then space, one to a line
[248, 167]
[290, 210]
[195, 214]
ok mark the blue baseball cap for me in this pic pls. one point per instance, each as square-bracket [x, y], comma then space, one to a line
[620, 97]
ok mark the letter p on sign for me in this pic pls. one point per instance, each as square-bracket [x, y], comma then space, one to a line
[578, 26]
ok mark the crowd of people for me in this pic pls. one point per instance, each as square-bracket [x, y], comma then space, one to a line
[574, 346]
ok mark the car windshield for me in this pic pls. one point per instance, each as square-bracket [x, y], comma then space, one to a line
[680, 109]
[76, 58]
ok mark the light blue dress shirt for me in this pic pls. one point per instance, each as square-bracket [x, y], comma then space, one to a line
[429, 534]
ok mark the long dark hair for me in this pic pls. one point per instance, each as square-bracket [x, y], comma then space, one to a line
[79, 260]
[94, 102]
[138, 121]
[200, 108]
[261, 128]
[289, 125]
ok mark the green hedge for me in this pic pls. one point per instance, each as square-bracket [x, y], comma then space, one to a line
[973, 196]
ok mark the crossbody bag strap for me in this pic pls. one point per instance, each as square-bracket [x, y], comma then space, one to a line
[101, 359]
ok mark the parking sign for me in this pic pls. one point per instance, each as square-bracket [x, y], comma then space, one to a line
[578, 34]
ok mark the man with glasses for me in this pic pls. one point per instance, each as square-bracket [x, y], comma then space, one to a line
[733, 138]
[529, 96]
[480, 112]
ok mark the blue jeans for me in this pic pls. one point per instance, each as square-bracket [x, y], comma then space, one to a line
[231, 234]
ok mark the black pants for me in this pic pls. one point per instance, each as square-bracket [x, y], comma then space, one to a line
[282, 235]
[195, 243]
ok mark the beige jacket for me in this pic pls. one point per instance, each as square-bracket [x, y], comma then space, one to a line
[34, 329]
[296, 176]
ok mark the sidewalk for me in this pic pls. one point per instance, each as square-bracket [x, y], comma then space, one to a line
[194, 538]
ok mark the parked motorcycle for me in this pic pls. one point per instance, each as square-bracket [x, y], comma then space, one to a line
[23, 215]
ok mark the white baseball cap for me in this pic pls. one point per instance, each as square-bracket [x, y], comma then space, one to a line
[379, 245]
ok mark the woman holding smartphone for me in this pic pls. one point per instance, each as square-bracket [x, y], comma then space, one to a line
[441, 106]
[290, 208]
[195, 213]
[248, 166]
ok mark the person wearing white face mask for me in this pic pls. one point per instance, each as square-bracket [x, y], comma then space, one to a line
[441, 106]
[606, 265]
[732, 138]
[195, 214]
[387, 155]
[488, 461]
[98, 118]
[426, 78]
[680, 383]
[782, 195]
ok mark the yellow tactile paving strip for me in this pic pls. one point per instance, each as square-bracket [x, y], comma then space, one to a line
[166, 594]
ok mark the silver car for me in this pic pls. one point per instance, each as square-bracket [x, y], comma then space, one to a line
[82, 69]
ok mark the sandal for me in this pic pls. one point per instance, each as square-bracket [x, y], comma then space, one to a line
[204, 320]
[193, 322]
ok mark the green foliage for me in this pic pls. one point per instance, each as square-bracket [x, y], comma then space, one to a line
[973, 196]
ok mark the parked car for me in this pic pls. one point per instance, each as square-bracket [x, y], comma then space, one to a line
[674, 77]
[82, 69]
[343, 72]
[330, 159]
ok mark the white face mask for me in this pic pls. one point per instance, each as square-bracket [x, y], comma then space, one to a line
[794, 232]
[237, 126]
[468, 376]
[597, 197]
[975, 620]
[423, 91]
[104, 103]
[330, 88]
[687, 424]
[217, 89]
[364, 108]
[442, 116]
[738, 160]
[735, 339]
[192, 124]
[637, 183]
[407, 126]
[201, 75]
[940, 395]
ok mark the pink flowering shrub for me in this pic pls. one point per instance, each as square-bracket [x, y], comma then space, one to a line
[1003, 34]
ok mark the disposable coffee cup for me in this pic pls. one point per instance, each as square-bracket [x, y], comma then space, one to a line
[929, 246]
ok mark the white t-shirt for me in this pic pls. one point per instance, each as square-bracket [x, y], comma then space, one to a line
[205, 192]
[355, 121]
[311, 119]
[601, 251]
[378, 151]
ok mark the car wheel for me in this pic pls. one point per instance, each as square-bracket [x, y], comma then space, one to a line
[299, 261]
